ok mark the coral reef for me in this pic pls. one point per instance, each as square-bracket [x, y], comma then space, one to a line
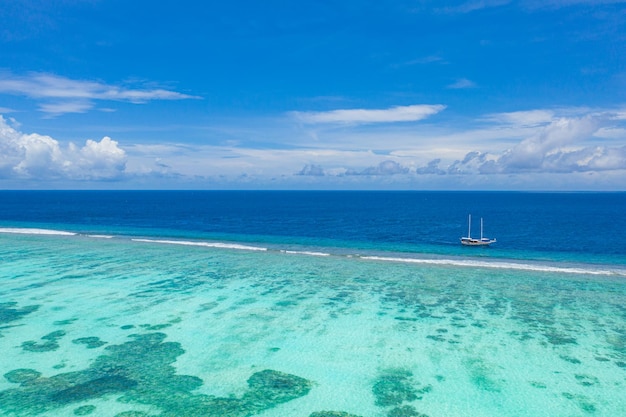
[89, 342]
[140, 371]
[394, 387]
[50, 344]
[9, 313]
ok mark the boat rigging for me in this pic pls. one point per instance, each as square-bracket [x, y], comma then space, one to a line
[470, 241]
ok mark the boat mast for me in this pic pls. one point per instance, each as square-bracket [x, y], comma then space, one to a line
[481, 228]
[469, 227]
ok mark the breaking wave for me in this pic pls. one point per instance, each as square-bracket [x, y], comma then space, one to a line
[34, 231]
[204, 244]
[581, 269]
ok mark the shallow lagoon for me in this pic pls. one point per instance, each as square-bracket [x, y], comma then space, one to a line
[115, 327]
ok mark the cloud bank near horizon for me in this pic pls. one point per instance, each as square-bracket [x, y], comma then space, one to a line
[544, 144]
[552, 144]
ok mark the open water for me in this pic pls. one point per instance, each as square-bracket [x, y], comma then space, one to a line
[311, 304]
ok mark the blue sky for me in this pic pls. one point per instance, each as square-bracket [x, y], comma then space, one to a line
[405, 94]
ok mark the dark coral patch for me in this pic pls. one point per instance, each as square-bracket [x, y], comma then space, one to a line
[64, 322]
[332, 414]
[570, 359]
[21, 376]
[93, 388]
[54, 336]
[9, 313]
[436, 338]
[405, 411]
[90, 342]
[586, 380]
[84, 410]
[155, 327]
[140, 371]
[275, 387]
[582, 402]
[559, 339]
[401, 318]
[50, 344]
[394, 387]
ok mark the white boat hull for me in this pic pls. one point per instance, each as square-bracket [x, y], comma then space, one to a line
[476, 242]
[470, 241]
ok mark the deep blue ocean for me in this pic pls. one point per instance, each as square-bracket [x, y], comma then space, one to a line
[586, 227]
[311, 304]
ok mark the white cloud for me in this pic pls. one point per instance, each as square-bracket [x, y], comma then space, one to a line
[40, 157]
[530, 154]
[560, 146]
[611, 133]
[361, 116]
[64, 95]
[462, 83]
[387, 167]
[506, 150]
[523, 118]
[312, 170]
[102, 159]
[66, 107]
[522, 150]
[473, 5]
[431, 168]
[555, 4]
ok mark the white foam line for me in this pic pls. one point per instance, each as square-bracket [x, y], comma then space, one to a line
[498, 265]
[296, 252]
[27, 231]
[203, 244]
[447, 262]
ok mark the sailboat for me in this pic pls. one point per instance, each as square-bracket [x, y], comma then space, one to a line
[470, 241]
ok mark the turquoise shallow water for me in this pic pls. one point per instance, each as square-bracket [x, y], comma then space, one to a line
[149, 327]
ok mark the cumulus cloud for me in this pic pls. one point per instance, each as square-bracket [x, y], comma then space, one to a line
[363, 116]
[557, 147]
[431, 168]
[312, 170]
[474, 162]
[541, 146]
[63, 95]
[384, 168]
[40, 157]
[531, 153]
